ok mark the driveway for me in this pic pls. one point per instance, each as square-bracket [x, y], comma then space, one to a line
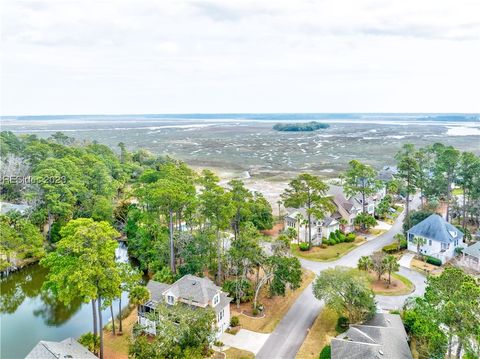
[406, 259]
[288, 336]
[245, 340]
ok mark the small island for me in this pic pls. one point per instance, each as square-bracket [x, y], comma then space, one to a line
[303, 126]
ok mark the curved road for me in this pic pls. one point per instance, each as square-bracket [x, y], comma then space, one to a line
[288, 336]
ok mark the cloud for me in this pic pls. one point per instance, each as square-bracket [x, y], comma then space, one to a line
[213, 56]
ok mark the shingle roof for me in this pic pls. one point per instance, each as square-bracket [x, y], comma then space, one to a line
[192, 288]
[473, 250]
[382, 337]
[68, 348]
[436, 228]
[156, 290]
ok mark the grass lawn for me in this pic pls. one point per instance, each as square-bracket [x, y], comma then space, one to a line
[234, 353]
[275, 307]
[116, 347]
[319, 335]
[424, 267]
[328, 254]
[399, 286]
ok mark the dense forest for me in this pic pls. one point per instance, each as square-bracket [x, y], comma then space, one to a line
[300, 127]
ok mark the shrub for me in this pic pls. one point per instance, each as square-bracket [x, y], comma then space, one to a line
[255, 311]
[323, 245]
[341, 237]
[342, 324]
[435, 261]
[403, 244]
[326, 352]
[304, 246]
[218, 343]
[332, 236]
[350, 237]
[234, 321]
[391, 248]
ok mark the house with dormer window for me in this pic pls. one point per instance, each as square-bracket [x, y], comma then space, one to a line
[188, 290]
[441, 238]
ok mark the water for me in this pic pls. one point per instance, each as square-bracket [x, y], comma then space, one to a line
[29, 314]
[241, 143]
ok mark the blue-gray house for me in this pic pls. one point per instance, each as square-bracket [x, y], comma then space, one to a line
[441, 238]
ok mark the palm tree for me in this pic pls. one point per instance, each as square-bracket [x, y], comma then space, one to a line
[419, 242]
[365, 263]
[391, 265]
[399, 237]
[279, 213]
[139, 295]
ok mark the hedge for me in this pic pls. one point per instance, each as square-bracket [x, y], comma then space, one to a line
[326, 352]
[304, 246]
[391, 248]
[435, 261]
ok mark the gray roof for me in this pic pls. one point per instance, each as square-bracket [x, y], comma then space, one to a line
[436, 228]
[156, 290]
[382, 337]
[192, 288]
[473, 250]
[68, 348]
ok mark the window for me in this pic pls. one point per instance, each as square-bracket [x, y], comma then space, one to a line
[216, 299]
[429, 242]
[170, 299]
[445, 246]
[456, 243]
[220, 315]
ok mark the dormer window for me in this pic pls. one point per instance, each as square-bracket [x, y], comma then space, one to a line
[215, 300]
[170, 299]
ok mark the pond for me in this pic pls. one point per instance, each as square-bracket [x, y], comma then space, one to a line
[29, 314]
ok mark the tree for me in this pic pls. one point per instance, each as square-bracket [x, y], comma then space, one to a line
[399, 237]
[216, 206]
[90, 341]
[378, 264]
[468, 179]
[365, 263]
[139, 295]
[419, 242]
[181, 332]
[310, 192]
[414, 218]
[365, 221]
[408, 169]
[83, 266]
[391, 265]
[361, 179]
[280, 271]
[445, 169]
[346, 291]
[455, 296]
[169, 194]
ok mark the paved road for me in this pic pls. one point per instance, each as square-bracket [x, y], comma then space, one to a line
[288, 336]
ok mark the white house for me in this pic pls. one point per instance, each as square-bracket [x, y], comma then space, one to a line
[320, 227]
[188, 290]
[68, 348]
[441, 238]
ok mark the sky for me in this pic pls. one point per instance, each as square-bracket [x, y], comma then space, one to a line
[217, 56]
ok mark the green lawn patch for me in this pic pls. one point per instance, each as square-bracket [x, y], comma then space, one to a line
[327, 254]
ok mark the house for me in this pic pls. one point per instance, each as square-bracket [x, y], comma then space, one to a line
[345, 209]
[68, 348]
[441, 238]
[471, 255]
[320, 227]
[383, 336]
[189, 290]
